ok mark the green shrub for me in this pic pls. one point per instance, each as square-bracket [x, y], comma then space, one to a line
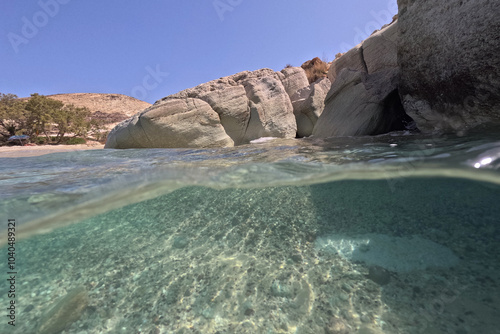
[100, 136]
[40, 140]
[76, 141]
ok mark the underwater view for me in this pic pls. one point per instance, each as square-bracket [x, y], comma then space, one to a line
[396, 233]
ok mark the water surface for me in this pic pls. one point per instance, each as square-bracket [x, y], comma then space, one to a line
[389, 234]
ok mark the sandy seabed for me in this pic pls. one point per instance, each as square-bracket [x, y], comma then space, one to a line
[33, 151]
[250, 261]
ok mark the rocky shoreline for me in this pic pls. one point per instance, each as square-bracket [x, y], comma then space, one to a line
[425, 71]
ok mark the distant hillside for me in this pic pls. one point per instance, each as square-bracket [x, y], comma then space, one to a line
[111, 108]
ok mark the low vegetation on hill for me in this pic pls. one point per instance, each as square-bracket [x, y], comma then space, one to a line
[109, 108]
[315, 69]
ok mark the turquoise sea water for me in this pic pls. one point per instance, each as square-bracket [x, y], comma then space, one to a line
[397, 233]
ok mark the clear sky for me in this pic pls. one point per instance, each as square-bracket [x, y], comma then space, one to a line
[153, 48]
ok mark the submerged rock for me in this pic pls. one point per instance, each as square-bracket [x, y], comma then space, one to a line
[65, 312]
[280, 289]
[396, 254]
[337, 325]
[379, 275]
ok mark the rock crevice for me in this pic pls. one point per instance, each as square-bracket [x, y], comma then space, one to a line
[363, 62]
[364, 98]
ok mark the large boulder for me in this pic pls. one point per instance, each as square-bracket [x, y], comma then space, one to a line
[229, 111]
[364, 98]
[448, 55]
[175, 123]
[362, 104]
[271, 111]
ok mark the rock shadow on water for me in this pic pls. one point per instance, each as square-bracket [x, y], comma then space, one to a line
[426, 252]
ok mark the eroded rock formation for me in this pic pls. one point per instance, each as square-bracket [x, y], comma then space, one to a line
[229, 111]
[436, 67]
[308, 104]
[364, 98]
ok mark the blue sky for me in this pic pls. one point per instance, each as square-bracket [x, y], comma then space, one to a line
[154, 48]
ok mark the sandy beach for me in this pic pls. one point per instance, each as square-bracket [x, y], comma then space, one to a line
[33, 151]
